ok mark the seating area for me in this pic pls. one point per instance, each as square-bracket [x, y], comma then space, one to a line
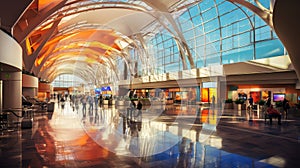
[270, 118]
[3, 121]
[36, 104]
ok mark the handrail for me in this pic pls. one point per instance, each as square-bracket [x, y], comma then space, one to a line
[11, 110]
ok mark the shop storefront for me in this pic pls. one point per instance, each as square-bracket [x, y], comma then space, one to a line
[209, 92]
[261, 93]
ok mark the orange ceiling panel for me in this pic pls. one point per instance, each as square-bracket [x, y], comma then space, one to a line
[103, 36]
[44, 3]
[99, 40]
[86, 56]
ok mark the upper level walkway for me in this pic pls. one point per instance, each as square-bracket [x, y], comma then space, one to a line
[174, 137]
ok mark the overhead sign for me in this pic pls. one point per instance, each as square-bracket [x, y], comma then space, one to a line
[107, 88]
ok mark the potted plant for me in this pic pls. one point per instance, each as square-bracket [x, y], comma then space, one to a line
[228, 104]
[261, 102]
[240, 104]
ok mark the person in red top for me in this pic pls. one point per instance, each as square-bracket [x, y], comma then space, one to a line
[273, 113]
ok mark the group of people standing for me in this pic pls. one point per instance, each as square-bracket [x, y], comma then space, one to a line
[93, 101]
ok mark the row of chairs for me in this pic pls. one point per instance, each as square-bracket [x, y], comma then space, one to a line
[6, 114]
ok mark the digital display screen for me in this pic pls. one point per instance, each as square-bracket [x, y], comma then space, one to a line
[278, 97]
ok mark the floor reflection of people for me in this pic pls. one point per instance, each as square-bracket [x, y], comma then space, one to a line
[186, 154]
[134, 134]
[102, 115]
[189, 155]
[96, 120]
[91, 119]
[182, 152]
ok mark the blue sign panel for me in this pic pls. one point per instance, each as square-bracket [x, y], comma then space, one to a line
[107, 88]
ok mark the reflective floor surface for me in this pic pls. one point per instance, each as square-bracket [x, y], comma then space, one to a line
[177, 136]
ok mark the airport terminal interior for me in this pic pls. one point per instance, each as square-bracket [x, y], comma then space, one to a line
[149, 83]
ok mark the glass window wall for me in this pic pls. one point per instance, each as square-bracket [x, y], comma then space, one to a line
[218, 32]
[67, 80]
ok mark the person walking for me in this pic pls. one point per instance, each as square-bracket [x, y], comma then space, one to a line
[91, 104]
[83, 101]
[100, 100]
[268, 101]
[250, 101]
[62, 100]
[213, 99]
[286, 107]
[96, 102]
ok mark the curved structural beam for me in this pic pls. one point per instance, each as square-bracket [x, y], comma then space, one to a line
[10, 13]
[183, 47]
[180, 40]
[29, 60]
[73, 46]
[20, 34]
[259, 10]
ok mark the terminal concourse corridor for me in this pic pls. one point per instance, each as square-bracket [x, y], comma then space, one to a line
[108, 137]
[205, 72]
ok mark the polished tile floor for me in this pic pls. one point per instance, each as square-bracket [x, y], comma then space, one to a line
[177, 136]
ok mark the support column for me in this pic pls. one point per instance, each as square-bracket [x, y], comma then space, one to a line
[1, 98]
[11, 75]
[12, 93]
[221, 90]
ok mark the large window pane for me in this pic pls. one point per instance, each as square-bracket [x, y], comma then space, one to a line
[263, 33]
[227, 44]
[210, 14]
[197, 20]
[267, 49]
[211, 25]
[213, 36]
[213, 59]
[194, 11]
[206, 4]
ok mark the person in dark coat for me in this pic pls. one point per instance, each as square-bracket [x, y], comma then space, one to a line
[268, 102]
